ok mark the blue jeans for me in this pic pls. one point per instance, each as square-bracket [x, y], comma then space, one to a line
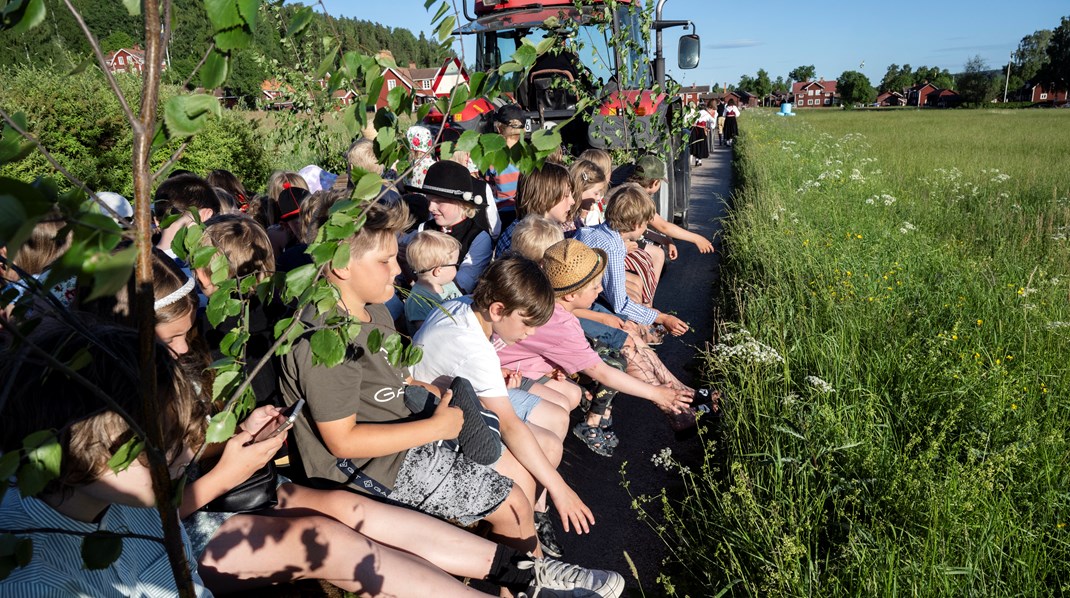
[608, 335]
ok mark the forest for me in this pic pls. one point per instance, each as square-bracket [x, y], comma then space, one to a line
[59, 42]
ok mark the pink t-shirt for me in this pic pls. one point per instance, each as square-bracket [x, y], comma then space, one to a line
[558, 343]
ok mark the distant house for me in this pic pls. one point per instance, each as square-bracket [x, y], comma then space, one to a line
[927, 95]
[814, 94]
[891, 98]
[743, 99]
[694, 93]
[344, 97]
[422, 79]
[276, 95]
[225, 97]
[1040, 93]
[128, 60]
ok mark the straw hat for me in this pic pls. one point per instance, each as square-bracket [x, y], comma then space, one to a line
[570, 265]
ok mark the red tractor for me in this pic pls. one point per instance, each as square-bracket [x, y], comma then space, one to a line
[590, 53]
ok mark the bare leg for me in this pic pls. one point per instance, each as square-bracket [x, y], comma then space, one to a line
[567, 389]
[446, 546]
[251, 551]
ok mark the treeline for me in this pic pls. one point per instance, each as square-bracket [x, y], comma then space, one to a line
[1042, 56]
[60, 43]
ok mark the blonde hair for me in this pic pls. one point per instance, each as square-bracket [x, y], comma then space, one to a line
[600, 157]
[243, 242]
[44, 246]
[542, 189]
[362, 155]
[429, 249]
[508, 132]
[278, 180]
[628, 207]
[533, 235]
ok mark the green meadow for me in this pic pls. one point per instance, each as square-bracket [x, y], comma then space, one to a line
[894, 356]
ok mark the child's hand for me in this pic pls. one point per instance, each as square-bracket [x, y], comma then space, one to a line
[513, 378]
[675, 325]
[671, 399]
[260, 417]
[630, 246]
[558, 375]
[449, 420]
[704, 245]
[241, 459]
[673, 252]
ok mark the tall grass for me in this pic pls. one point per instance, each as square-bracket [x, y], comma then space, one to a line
[897, 392]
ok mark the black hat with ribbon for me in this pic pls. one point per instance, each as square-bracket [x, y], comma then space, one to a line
[449, 180]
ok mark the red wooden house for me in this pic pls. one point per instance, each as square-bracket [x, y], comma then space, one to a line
[814, 94]
[891, 98]
[1040, 93]
[127, 60]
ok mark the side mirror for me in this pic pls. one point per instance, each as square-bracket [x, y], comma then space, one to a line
[688, 52]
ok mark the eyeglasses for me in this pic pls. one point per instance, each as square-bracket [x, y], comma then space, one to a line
[426, 270]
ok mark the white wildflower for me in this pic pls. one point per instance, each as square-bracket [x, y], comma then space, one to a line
[907, 227]
[663, 458]
[1054, 325]
[871, 200]
[741, 346]
[820, 385]
[888, 199]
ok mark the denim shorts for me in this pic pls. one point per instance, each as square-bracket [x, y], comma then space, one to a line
[608, 335]
[523, 402]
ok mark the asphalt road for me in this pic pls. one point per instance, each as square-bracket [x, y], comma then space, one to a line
[685, 289]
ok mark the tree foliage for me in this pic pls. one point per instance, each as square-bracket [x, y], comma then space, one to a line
[1057, 70]
[976, 85]
[803, 73]
[854, 88]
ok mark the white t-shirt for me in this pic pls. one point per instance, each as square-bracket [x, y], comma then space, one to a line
[454, 346]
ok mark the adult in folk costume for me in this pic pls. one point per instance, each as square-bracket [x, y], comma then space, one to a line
[700, 134]
[731, 124]
[457, 203]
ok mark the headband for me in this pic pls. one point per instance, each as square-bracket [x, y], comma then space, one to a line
[175, 295]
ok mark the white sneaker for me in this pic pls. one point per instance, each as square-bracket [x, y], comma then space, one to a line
[560, 580]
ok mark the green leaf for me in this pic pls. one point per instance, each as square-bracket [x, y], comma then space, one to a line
[441, 12]
[545, 140]
[492, 142]
[100, 549]
[340, 259]
[368, 186]
[13, 147]
[220, 268]
[446, 28]
[299, 279]
[282, 325]
[428, 3]
[545, 45]
[392, 345]
[327, 348]
[215, 70]
[21, 205]
[224, 381]
[247, 10]
[394, 98]
[375, 340]
[300, 21]
[42, 463]
[126, 454]
[133, 7]
[110, 271]
[202, 256]
[221, 427]
[525, 55]
[510, 67]
[216, 308]
[184, 116]
[19, 16]
[327, 63]
[413, 355]
[468, 140]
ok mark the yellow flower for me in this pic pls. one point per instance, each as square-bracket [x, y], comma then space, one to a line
[1061, 525]
[858, 236]
[979, 322]
[1014, 406]
[954, 337]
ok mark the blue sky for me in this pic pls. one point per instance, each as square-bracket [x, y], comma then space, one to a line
[741, 37]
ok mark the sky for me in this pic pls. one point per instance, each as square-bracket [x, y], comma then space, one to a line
[741, 37]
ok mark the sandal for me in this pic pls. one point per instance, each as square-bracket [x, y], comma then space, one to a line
[606, 424]
[594, 438]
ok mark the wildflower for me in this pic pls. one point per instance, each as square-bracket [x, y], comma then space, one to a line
[979, 322]
[662, 458]
[1014, 406]
[820, 385]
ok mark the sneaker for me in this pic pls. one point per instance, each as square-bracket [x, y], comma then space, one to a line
[556, 579]
[544, 529]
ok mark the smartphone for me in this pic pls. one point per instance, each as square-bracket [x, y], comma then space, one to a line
[282, 422]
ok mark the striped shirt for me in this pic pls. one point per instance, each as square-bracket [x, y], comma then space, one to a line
[504, 185]
[57, 570]
[613, 282]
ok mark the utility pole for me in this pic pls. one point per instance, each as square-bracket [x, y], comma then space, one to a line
[1007, 79]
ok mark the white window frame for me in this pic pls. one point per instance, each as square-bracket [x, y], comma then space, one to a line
[1043, 96]
[425, 84]
[391, 84]
[121, 60]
